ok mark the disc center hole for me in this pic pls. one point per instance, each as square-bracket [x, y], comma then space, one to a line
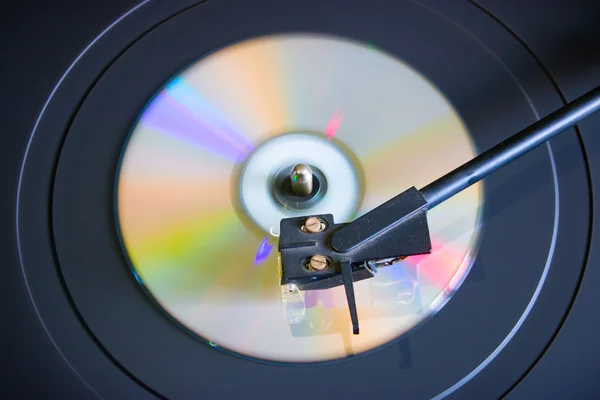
[299, 187]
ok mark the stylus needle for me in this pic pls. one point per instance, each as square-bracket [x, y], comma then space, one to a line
[398, 228]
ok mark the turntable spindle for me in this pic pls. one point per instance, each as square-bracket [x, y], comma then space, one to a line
[302, 180]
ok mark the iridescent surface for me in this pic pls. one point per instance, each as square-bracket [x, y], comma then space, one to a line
[215, 271]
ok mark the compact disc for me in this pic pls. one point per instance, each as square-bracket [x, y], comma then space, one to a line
[199, 221]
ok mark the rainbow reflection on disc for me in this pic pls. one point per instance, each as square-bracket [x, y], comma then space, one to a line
[198, 221]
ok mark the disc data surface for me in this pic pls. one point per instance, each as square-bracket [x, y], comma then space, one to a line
[199, 223]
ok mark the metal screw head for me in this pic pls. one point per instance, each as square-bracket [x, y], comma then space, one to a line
[318, 262]
[313, 225]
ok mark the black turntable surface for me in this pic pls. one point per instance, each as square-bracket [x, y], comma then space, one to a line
[143, 152]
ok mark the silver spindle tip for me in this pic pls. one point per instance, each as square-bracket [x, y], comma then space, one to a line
[302, 180]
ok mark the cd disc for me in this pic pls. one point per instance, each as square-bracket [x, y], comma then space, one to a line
[198, 210]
